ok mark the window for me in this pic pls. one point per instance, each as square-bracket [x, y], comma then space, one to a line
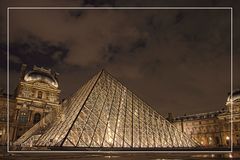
[51, 97]
[39, 94]
[23, 118]
[37, 117]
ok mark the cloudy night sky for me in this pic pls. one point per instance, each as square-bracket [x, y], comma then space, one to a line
[176, 60]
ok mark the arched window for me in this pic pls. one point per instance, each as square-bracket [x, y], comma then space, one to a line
[39, 94]
[36, 118]
[23, 118]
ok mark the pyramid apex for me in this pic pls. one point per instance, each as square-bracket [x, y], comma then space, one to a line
[103, 70]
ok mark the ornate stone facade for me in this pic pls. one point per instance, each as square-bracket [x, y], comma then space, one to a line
[36, 95]
[214, 128]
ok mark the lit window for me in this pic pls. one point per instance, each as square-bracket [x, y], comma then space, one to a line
[23, 118]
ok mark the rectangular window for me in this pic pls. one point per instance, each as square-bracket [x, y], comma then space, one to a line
[23, 118]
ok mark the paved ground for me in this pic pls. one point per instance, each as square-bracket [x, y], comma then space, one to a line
[115, 156]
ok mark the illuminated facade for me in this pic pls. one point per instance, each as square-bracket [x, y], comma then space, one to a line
[36, 96]
[104, 113]
[213, 128]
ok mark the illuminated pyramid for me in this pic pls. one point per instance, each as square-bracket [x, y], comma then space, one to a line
[104, 113]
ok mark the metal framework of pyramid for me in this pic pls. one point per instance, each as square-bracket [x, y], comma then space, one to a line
[104, 113]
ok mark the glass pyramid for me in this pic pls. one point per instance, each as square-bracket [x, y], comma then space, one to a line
[104, 113]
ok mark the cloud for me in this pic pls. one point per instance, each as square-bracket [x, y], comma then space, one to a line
[13, 80]
[32, 51]
[15, 59]
[173, 59]
[87, 37]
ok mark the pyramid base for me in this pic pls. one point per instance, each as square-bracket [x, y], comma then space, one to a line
[138, 149]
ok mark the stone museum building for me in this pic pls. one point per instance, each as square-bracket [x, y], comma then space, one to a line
[213, 128]
[104, 113]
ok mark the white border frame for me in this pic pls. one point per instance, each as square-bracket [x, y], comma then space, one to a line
[120, 8]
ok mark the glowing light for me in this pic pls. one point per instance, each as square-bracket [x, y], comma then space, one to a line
[227, 138]
[111, 156]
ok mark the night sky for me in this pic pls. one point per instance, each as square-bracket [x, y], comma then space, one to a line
[176, 60]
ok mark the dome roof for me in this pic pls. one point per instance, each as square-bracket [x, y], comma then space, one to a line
[41, 76]
[235, 95]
